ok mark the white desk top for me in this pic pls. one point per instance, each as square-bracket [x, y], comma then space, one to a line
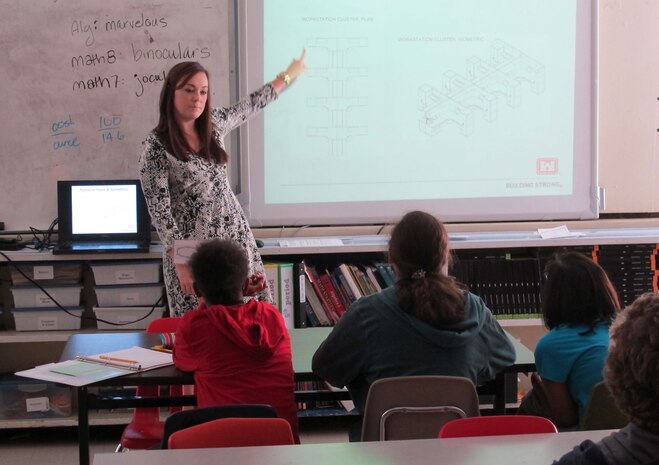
[493, 450]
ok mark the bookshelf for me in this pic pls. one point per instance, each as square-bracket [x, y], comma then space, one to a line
[503, 267]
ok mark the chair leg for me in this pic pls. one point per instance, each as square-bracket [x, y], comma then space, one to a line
[120, 448]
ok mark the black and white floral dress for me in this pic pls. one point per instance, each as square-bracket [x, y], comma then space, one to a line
[194, 200]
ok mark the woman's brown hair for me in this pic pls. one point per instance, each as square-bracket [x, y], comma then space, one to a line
[419, 252]
[168, 130]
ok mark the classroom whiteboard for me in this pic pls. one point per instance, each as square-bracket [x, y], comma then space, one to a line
[80, 86]
[477, 110]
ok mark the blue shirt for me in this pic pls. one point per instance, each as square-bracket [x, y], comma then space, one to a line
[565, 355]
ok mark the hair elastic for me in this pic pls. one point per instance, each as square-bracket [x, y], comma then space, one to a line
[419, 274]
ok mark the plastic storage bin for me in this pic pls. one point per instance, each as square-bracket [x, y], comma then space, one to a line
[49, 319]
[21, 398]
[136, 272]
[47, 272]
[126, 316]
[29, 296]
[124, 296]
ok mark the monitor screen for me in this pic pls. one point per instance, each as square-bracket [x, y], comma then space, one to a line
[102, 209]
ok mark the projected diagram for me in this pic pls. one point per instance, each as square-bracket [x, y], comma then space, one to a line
[337, 71]
[462, 98]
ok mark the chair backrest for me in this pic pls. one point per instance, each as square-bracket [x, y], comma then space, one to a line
[601, 411]
[415, 407]
[163, 325]
[496, 425]
[187, 418]
[234, 432]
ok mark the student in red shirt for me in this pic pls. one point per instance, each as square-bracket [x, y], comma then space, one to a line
[240, 353]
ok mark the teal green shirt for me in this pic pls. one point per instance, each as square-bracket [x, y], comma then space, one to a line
[376, 339]
[571, 354]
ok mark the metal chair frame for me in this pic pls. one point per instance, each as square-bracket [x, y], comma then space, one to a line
[392, 411]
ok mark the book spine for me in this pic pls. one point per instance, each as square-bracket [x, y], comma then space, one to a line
[338, 277]
[300, 304]
[313, 301]
[322, 294]
[386, 273]
[350, 281]
[359, 279]
[272, 277]
[286, 293]
[370, 273]
[336, 303]
[346, 300]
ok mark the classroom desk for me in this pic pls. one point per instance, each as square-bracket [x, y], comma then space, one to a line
[491, 450]
[303, 343]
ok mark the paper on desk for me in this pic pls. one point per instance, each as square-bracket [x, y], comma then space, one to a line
[559, 231]
[81, 373]
[70, 373]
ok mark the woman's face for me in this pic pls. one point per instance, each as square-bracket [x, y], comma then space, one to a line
[190, 99]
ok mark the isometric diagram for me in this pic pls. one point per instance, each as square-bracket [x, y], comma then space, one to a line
[486, 84]
[337, 71]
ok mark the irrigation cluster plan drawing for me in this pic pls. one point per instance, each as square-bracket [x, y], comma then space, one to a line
[337, 71]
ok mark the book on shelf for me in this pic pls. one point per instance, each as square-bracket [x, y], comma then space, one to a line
[340, 279]
[286, 274]
[328, 285]
[310, 316]
[315, 304]
[372, 275]
[360, 279]
[344, 295]
[300, 304]
[349, 280]
[386, 272]
[272, 278]
[280, 279]
[322, 294]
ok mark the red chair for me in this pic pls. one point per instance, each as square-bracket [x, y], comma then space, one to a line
[145, 428]
[496, 425]
[234, 432]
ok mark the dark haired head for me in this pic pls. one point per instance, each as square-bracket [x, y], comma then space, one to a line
[419, 252]
[219, 269]
[632, 367]
[577, 291]
[168, 130]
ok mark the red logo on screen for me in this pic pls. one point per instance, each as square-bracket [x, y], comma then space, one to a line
[546, 166]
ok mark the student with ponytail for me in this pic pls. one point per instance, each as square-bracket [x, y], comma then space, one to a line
[427, 324]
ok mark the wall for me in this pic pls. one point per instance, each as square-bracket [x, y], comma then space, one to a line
[629, 109]
[80, 85]
[45, 89]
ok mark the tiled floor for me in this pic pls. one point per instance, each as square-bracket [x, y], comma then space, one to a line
[59, 446]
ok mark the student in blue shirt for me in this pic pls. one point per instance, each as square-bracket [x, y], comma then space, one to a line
[578, 304]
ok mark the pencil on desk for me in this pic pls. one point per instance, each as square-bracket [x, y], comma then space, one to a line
[114, 359]
[111, 361]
